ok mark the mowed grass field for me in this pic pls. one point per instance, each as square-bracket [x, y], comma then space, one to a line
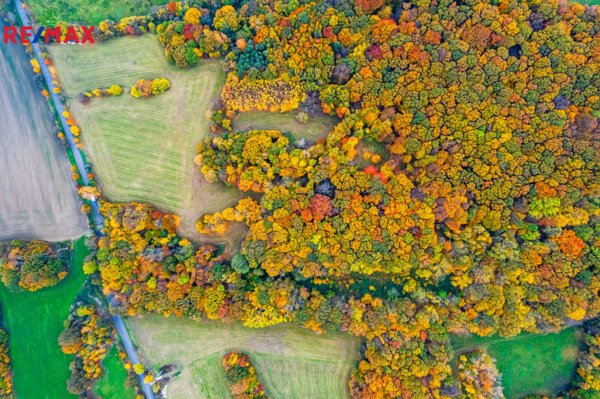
[291, 362]
[315, 128]
[88, 12]
[34, 321]
[144, 149]
[530, 364]
[37, 196]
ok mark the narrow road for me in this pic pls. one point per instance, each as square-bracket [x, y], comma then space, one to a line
[131, 353]
[98, 219]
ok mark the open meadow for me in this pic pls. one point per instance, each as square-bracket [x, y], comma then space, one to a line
[38, 198]
[315, 128]
[292, 363]
[34, 321]
[143, 149]
[530, 364]
[113, 385]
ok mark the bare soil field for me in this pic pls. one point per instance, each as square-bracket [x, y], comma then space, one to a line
[292, 363]
[143, 149]
[37, 197]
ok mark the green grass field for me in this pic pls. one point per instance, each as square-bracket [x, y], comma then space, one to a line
[112, 384]
[88, 12]
[589, 2]
[34, 321]
[530, 364]
[144, 149]
[293, 363]
[317, 126]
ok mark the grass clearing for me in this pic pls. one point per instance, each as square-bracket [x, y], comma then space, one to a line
[530, 364]
[589, 2]
[293, 363]
[315, 128]
[88, 12]
[144, 149]
[34, 321]
[38, 198]
[113, 384]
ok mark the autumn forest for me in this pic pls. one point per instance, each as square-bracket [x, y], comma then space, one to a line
[457, 195]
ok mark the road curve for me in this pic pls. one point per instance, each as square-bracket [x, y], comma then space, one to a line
[98, 219]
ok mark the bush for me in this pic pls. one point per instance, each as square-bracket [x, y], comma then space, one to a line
[160, 85]
[147, 87]
[115, 90]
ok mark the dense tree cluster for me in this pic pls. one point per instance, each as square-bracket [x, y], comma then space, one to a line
[246, 210]
[129, 26]
[252, 160]
[87, 336]
[187, 41]
[464, 165]
[35, 264]
[458, 192]
[589, 363]
[241, 376]
[150, 87]
[524, 214]
[6, 387]
[277, 95]
[146, 267]
[479, 377]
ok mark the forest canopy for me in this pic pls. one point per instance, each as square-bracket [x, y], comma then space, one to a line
[33, 265]
[457, 194]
